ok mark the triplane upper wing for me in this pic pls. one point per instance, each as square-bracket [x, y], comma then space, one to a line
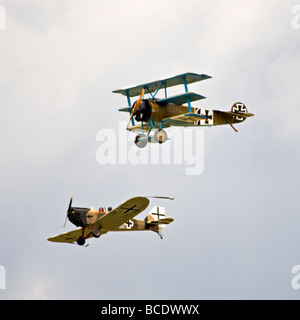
[154, 86]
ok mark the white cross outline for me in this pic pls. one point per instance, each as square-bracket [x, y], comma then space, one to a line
[240, 107]
[129, 224]
[207, 113]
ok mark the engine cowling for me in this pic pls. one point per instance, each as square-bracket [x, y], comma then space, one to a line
[143, 113]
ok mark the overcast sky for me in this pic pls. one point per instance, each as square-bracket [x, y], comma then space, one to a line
[236, 228]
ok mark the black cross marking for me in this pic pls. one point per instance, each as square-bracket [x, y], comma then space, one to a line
[129, 223]
[198, 111]
[130, 209]
[239, 108]
[69, 238]
[159, 214]
[207, 116]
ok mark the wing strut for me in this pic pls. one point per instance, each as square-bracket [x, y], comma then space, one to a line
[186, 90]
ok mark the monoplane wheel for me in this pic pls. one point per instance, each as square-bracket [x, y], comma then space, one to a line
[80, 241]
[96, 233]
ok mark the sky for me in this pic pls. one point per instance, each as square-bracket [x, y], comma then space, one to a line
[236, 225]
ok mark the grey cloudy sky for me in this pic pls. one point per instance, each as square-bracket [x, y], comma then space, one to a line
[236, 228]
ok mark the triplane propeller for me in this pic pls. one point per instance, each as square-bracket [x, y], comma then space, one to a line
[94, 223]
[155, 114]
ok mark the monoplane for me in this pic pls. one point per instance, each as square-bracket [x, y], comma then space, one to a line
[94, 223]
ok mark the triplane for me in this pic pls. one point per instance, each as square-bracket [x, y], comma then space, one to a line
[156, 114]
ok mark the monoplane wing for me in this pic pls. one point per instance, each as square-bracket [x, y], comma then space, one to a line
[162, 84]
[122, 213]
[72, 236]
[67, 237]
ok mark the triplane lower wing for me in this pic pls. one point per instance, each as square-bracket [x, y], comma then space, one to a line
[155, 114]
[93, 223]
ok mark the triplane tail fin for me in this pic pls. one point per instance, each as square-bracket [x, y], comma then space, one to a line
[240, 111]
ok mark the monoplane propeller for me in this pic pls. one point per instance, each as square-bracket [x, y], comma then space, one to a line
[68, 212]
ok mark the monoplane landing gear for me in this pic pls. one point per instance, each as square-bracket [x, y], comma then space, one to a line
[141, 141]
[160, 235]
[96, 233]
[160, 136]
[80, 241]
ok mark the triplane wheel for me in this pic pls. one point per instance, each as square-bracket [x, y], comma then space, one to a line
[140, 143]
[160, 136]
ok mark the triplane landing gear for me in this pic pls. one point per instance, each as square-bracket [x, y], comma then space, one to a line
[141, 140]
[160, 136]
